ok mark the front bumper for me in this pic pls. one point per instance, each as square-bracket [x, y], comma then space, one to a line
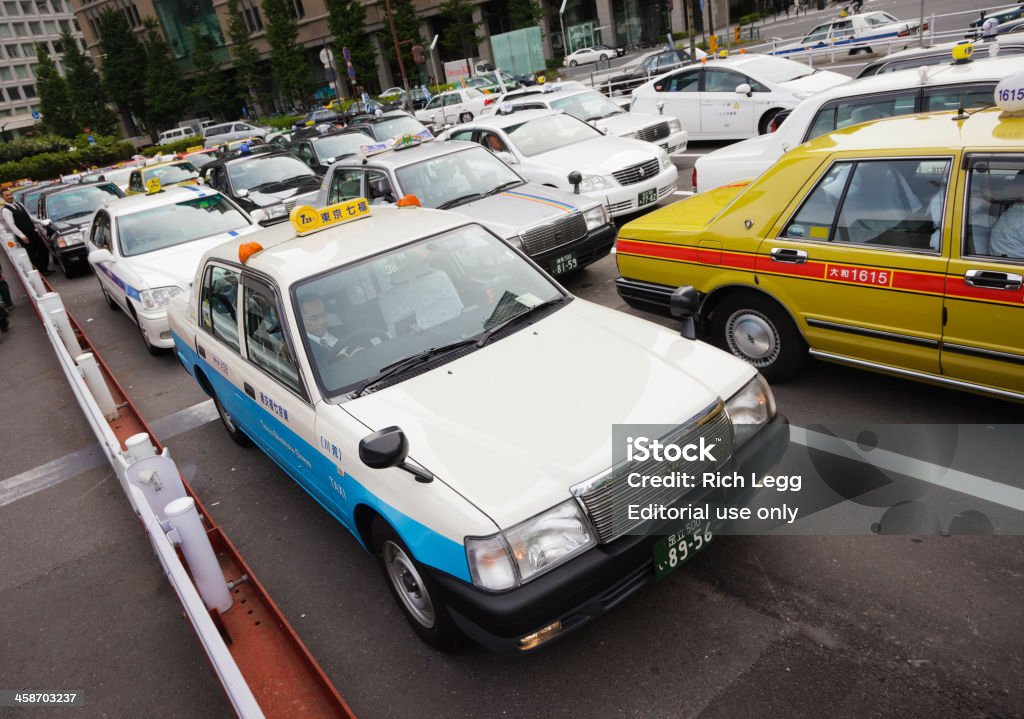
[645, 295]
[676, 142]
[625, 199]
[74, 257]
[156, 327]
[592, 247]
[598, 580]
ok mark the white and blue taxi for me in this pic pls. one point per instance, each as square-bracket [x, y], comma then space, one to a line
[144, 250]
[452, 406]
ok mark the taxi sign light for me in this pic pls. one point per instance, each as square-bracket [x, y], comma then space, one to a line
[1009, 93]
[306, 219]
[153, 186]
[247, 250]
[408, 201]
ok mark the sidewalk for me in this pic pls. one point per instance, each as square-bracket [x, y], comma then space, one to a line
[86, 607]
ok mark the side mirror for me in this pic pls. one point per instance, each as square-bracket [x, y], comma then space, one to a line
[98, 256]
[744, 89]
[389, 447]
[683, 304]
[575, 178]
[242, 193]
[46, 222]
[507, 157]
[258, 215]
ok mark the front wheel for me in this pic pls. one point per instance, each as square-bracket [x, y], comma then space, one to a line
[416, 595]
[603, 58]
[466, 117]
[765, 124]
[572, 63]
[758, 331]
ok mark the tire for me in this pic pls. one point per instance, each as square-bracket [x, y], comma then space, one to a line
[110, 300]
[466, 117]
[603, 58]
[572, 63]
[155, 351]
[758, 331]
[766, 121]
[413, 590]
[237, 436]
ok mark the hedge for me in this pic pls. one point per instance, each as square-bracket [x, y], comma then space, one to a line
[24, 147]
[51, 165]
[174, 147]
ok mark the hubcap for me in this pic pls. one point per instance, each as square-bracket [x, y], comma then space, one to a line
[225, 417]
[751, 335]
[407, 583]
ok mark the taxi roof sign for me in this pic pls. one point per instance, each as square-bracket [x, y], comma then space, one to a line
[153, 186]
[397, 143]
[1009, 93]
[307, 219]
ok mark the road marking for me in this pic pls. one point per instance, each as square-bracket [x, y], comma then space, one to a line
[71, 465]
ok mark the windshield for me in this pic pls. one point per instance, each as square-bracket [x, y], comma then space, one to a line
[201, 159]
[544, 134]
[468, 174]
[442, 289]
[169, 174]
[80, 202]
[881, 18]
[260, 171]
[587, 106]
[169, 225]
[395, 126]
[338, 145]
[777, 69]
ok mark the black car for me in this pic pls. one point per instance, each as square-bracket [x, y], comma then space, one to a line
[619, 51]
[653, 64]
[64, 213]
[388, 125]
[272, 182]
[318, 117]
[319, 151]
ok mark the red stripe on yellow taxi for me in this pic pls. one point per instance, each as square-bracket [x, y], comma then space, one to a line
[956, 287]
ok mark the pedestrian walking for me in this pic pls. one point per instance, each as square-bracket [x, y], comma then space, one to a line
[19, 223]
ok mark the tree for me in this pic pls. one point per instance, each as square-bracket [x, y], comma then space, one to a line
[124, 62]
[85, 91]
[166, 98]
[407, 27]
[287, 59]
[524, 13]
[460, 35]
[210, 83]
[346, 21]
[58, 113]
[247, 58]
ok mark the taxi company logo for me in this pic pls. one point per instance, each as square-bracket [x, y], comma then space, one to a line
[643, 172]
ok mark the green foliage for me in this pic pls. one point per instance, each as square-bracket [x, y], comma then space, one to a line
[460, 36]
[407, 26]
[166, 98]
[210, 83]
[346, 20]
[50, 165]
[124, 63]
[524, 13]
[172, 147]
[748, 19]
[284, 122]
[54, 103]
[246, 57]
[85, 91]
[287, 59]
[26, 146]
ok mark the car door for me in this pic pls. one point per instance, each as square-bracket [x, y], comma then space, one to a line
[723, 111]
[982, 341]
[450, 108]
[818, 38]
[279, 414]
[680, 93]
[217, 338]
[346, 184]
[100, 238]
[861, 261]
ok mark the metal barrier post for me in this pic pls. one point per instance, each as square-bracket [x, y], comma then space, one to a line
[184, 519]
[90, 371]
[159, 480]
[67, 335]
[36, 282]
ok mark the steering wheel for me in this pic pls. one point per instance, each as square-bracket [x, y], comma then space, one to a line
[359, 338]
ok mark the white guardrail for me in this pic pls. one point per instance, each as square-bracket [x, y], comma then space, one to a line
[153, 486]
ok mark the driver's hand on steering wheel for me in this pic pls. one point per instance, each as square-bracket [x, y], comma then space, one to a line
[345, 352]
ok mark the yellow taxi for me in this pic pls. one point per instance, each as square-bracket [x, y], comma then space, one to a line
[895, 246]
[178, 172]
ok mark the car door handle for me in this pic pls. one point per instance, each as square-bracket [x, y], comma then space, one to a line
[785, 254]
[993, 280]
[249, 390]
[201, 350]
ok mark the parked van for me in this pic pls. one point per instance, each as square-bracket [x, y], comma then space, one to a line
[228, 131]
[178, 133]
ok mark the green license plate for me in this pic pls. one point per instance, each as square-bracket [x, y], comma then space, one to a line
[647, 197]
[565, 263]
[677, 549]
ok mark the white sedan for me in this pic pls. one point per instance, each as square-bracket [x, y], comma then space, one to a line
[144, 250]
[731, 98]
[589, 54]
[854, 33]
[548, 147]
[454, 106]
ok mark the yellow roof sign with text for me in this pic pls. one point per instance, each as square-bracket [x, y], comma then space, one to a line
[307, 219]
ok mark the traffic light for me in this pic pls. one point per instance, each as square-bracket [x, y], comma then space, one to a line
[736, 33]
[417, 54]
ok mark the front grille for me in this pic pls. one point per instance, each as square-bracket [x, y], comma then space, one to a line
[560, 232]
[606, 499]
[653, 133]
[620, 206]
[637, 173]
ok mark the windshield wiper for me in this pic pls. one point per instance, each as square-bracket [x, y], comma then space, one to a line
[486, 336]
[459, 200]
[504, 186]
[263, 186]
[409, 362]
[83, 213]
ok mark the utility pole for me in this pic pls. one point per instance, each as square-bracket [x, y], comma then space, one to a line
[688, 16]
[398, 47]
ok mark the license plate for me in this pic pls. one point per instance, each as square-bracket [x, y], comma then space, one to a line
[647, 197]
[565, 263]
[677, 549]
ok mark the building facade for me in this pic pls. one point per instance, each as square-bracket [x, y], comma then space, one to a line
[23, 24]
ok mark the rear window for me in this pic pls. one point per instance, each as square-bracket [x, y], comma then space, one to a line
[217, 130]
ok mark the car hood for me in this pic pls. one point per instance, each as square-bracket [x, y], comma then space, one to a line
[625, 124]
[176, 266]
[816, 81]
[688, 215]
[599, 156]
[74, 223]
[301, 194]
[519, 208]
[515, 447]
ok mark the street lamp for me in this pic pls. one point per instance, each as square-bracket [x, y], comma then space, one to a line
[561, 21]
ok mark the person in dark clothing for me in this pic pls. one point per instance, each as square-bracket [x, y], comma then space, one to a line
[19, 223]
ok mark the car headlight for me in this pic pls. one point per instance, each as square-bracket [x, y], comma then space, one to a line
[71, 239]
[749, 409]
[530, 548]
[596, 217]
[674, 125]
[277, 210]
[664, 161]
[593, 183]
[158, 298]
[516, 241]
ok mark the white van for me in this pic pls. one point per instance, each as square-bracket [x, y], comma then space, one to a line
[178, 133]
